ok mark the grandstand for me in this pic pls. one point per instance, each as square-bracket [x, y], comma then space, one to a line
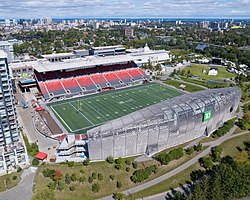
[66, 83]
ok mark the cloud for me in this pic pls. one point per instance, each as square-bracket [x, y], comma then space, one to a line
[124, 8]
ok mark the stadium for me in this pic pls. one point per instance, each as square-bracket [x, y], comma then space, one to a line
[109, 106]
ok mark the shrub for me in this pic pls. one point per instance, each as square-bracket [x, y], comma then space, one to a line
[72, 188]
[82, 179]
[71, 164]
[198, 147]
[67, 179]
[14, 178]
[86, 162]
[19, 169]
[94, 175]
[143, 174]
[82, 171]
[119, 196]
[57, 175]
[95, 187]
[190, 150]
[128, 161]
[135, 165]
[60, 185]
[100, 177]
[48, 173]
[165, 158]
[119, 184]
[118, 166]
[110, 159]
[128, 169]
[90, 179]
[35, 162]
[119, 161]
[216, 153]
[112, 177]
[73, 177]
[52, 185]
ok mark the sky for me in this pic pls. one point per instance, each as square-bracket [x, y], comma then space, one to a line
[14, 9]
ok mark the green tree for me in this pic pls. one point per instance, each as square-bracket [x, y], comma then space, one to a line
[119, 184]
[110, 159]
[73, 177]
[206, 162]
[35, 162]
[190, 150]
[67, 179]
[216, 153]
[86, 162]
[119, 196]
[90, 179]
[94, 175]
[95, 187]
[100, 177]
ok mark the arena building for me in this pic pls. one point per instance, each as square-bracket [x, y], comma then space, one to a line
[157, 127]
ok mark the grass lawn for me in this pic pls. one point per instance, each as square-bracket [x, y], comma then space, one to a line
[189, 87]
[12, 182]
[229, 146]
[83, 190]
[196, 69]
[173, 182]
[79, 115]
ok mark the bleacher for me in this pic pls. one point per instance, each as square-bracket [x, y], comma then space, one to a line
[87, 81]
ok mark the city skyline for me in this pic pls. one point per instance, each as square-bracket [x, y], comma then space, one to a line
[129, 8]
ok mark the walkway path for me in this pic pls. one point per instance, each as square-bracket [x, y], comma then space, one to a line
[23, 190]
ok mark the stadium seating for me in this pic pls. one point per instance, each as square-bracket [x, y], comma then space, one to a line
[55, 87]
[112, 78]
[43, 90]
[71, 85]
[124, 76]
[99, 80]
[136, 74]
[86, 82]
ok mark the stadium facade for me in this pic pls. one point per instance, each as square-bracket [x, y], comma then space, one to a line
[164, 125]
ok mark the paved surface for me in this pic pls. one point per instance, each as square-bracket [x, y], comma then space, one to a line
[25, 120]
[23, 190]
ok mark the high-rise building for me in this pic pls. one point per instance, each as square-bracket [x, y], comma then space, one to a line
[12, 150]
[128, 32]
[7, 47]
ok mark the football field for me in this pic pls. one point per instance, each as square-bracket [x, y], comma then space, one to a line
[81, 114]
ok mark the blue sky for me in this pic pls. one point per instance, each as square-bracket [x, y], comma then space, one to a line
[124, 8]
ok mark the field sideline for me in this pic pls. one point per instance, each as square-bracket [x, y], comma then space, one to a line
[82, 114]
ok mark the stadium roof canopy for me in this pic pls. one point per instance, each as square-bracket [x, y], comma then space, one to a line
[43, 65]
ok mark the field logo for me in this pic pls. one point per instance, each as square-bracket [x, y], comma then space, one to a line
[207, 115]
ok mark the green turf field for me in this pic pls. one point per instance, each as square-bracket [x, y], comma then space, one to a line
[79, 115]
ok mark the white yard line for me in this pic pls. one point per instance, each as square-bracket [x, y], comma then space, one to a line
[61, 118]
[80, 113]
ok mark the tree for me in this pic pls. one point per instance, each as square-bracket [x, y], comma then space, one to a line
[82, 179]
[119, 184]
[95, 187]
[198, 147]
[128, 169]
[57, 175]
[112, 177]
[100, 177]
[94, 175]
[135, 165]
[52, 185]
[86, 162]
[119, 161]
[71, 164]
[118, 166]
[60, 185]
[216, 153]
[206, 162]
[128, 161]
[72, 188]
[190, 150]
[90, 179]
[35, 162]
[67, 179]
[119, 196]
[110, 159]
[73, 177]
[44, 194]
